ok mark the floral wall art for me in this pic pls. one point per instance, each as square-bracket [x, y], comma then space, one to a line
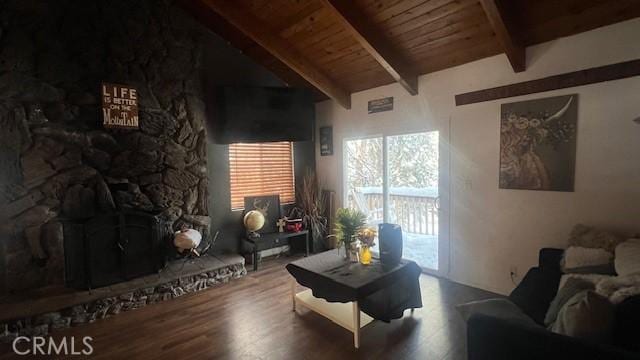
[538, 144]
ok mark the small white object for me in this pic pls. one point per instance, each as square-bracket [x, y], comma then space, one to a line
[577, 257]
[187, 239]
[627, 260]
[281, 223]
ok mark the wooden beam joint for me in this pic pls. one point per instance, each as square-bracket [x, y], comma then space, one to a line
[500, 21]
[374, 42]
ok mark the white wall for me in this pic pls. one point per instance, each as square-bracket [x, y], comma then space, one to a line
[492, 229]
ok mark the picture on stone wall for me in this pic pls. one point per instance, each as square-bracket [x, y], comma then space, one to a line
[269, 206]
[119, 106]
[538, 144]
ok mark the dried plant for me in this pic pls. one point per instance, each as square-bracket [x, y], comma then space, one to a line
[310, 207]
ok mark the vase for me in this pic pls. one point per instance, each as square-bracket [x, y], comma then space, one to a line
[365, 255]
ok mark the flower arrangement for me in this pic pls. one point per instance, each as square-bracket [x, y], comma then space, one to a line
[367, 236]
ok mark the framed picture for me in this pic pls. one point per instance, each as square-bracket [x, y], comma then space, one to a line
[538, 144]
[269, 206]
[326, 141]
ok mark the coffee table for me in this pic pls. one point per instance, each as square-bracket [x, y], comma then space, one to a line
[352, 295]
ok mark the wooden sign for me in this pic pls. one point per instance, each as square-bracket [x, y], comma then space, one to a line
[326, 141]
[379, 105]
[119, 106]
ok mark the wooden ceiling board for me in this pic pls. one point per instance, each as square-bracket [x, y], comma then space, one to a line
[367, 80]
[392, 9]
[442, 28]
[362, 64]
[535, 12]
[435, 30]
[431, 34]
[478, 51]
[582, 19]
[413, 26]
[320, 19]
[339, 44]
[425, 13]
[465, 40]
[319, 36]
[456, 39]
[309, 9]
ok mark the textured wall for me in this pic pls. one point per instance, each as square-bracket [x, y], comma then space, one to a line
[57, 160]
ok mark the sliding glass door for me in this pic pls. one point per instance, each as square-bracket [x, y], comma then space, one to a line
[395, 179]
[364, 178]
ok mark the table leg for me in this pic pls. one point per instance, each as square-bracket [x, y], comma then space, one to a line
[356, 325]
[255, 260]
[293, 293]
[306, 243]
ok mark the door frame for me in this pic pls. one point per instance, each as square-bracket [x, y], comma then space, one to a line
[443, 188]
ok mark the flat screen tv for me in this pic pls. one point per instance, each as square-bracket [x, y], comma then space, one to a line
[263, 114]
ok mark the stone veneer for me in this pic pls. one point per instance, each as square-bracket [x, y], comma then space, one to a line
[58, 161]
[76, 315]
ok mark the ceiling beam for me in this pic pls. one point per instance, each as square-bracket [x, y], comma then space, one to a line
[374, 41]
[258, 31]
[499, 20]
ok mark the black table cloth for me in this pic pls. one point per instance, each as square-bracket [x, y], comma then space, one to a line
[382, 292]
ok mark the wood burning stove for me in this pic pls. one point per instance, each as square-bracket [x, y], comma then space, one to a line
[112, 248]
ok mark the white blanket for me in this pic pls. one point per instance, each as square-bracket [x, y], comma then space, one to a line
[619, 288]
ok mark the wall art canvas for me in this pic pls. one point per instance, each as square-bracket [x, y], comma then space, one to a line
[538, 144]
[269, 206]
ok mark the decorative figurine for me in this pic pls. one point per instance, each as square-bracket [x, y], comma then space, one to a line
[281, 223]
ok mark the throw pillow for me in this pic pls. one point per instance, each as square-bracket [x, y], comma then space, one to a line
[586, 315]
[627, 260]
[569, 290]
[586, 236]
[577, 258]
[592, 278]
[498, 308]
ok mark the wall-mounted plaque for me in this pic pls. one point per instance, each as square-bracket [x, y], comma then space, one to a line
[379, 105]
[119, 106]
[326, 141]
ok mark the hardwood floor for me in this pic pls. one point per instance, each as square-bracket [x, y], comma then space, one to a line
[251, 318]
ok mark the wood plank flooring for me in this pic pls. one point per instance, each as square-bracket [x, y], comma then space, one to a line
[251, 318]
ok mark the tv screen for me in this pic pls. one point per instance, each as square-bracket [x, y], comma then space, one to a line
[263, 114]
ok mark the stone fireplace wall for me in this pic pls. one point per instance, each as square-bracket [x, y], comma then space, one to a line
[56, 159]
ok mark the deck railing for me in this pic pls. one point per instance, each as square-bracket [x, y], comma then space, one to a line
[415, 211]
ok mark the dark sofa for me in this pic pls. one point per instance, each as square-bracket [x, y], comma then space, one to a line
[493, 338]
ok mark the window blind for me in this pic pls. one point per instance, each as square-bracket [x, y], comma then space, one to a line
[261, 169]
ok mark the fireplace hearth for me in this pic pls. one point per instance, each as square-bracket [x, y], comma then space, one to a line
[112, 248]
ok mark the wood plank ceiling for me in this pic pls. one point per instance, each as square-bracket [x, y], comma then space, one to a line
[370, 43]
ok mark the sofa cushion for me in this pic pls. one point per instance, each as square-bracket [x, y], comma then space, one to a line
[569, 290]
[587, 236]
[627, 260]
[579, 259]
[497, 308]
[588, 316]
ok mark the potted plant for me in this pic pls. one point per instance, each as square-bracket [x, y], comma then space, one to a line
[310, 208]
[348, 223]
